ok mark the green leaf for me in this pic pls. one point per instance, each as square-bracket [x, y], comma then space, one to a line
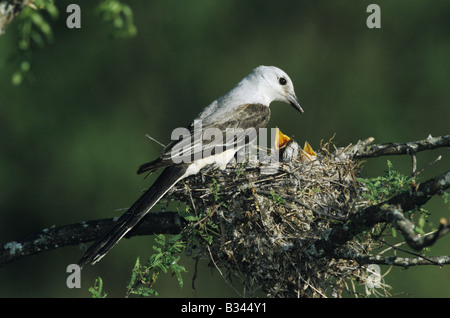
[446, 197]
[368, 196]
[96, 291]
[134, 273]
[120, 17]
[17, 78]
[394, 232]
[421, 222]
[144, 291]
[418, 230]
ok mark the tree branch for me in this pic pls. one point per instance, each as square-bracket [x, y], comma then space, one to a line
[383, 212]
[83, 232]
[364, 151]
[406, 227]
[173, 223]
[393, 260]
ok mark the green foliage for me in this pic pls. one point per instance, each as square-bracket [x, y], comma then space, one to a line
[34, 32]
[97, 289]
[119, 15]
[390, 184]
[276, 198]
[386, 186]
[201, 229]
[215, 188]
[166, 257]
[446, 197]
[144, 276]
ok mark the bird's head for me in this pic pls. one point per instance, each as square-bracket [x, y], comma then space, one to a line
[278, 85]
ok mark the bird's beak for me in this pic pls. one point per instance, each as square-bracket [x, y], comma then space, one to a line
[294, 102]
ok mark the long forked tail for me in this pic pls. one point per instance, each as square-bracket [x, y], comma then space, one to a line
[168, 178]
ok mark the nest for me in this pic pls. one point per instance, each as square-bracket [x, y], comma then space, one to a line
[263, 225]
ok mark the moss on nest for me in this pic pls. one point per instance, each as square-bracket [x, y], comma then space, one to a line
[266, 224]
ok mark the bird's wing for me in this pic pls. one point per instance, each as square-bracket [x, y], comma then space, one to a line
[197, 141]
[246, 116]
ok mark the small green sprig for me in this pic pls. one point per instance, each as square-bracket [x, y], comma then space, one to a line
[390, 184]
[34, 32]
[386, 186]
[97, 289]
[119, 15]
[144, 276]
[276, 198]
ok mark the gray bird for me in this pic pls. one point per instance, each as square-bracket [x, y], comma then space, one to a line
[245, 106]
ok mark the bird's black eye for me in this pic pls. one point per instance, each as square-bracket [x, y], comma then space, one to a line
[282, 81]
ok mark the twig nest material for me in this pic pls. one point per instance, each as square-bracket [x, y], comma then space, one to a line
[263, 225]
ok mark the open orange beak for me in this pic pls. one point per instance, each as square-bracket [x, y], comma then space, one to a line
[307, 153]
[281, 139]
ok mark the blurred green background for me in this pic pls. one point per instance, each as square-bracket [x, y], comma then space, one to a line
[72, 135]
